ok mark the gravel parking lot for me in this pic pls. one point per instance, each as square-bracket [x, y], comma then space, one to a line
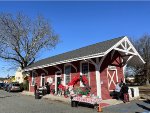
[17, 103]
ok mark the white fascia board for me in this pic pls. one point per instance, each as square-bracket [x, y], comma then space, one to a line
[117, 44]
[66, 61]
[124, 51]
[125, 39]
[135, 50]
[141, 59]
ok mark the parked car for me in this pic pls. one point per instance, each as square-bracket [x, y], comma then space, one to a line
[5, 87]
[1, 85]
[13, 87]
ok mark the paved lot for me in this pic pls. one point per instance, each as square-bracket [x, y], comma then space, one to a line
[17, 103]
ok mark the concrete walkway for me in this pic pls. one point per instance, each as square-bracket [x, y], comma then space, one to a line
[108, 102]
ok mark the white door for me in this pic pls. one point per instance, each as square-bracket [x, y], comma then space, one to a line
[112, 77]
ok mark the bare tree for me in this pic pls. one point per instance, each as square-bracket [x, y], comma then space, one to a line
[22, 38]
[143, 47]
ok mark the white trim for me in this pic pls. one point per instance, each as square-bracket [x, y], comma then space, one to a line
[123, 46]
[124, 70]
[34, 71]
[125, 51]
[81, 84]
[112, 77]
[33, 77]
[72, 66]
[97, 72]
[98, 82]
[117, 75]
[97, 65]
[44, 70]
[92, 56]
[42, 76]
[127, 41]
[98, 77]
[129, 48]
[129, 59]
[116, 45]
[65, 73]
[135, 50]
[67, 61]
[56, 75]
[58, 68]
[101, 61]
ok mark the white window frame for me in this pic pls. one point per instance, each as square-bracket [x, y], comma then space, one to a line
[57, 74]
[33, 78]
[65, 73]
[81, 84]
[42, 76]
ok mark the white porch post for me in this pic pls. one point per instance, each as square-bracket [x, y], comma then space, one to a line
[97, 69]
[97, 65]
[98, 84]
[124, 69]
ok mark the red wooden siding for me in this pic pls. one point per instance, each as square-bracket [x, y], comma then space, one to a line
[115, 60]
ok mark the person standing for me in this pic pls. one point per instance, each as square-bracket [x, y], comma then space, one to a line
[48, 88]
[35, 88]
[124, 90]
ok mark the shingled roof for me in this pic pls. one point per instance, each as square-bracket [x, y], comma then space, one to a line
[97, 48]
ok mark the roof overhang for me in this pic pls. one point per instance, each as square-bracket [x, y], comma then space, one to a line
[66, 61]
[123, 46]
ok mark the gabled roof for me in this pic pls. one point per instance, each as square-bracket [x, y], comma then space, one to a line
[91, 51]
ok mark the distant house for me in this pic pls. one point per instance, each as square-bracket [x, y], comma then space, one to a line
[2, 80]
[9, 79]
[19, 76]
[12, 79]
[102, 63]
[6, 80]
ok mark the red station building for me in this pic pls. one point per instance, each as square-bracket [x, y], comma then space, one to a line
[102, 63]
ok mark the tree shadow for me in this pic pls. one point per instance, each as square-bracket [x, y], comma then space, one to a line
[144, 107]
[5, 96]
[147, 101]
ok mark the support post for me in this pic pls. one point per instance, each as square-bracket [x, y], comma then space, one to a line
[98, 84]
[44, 70]
[97, 65]
[124, 70]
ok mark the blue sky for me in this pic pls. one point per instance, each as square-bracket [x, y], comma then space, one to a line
[83, 23]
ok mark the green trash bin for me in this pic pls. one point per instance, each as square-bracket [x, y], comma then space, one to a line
[37, 95]
[132, 92]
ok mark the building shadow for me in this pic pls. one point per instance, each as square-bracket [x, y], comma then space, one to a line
[144, 107]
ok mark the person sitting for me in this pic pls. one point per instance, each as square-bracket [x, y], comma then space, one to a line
[117, 90]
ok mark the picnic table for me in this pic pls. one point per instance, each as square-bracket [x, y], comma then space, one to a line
[88, 100]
